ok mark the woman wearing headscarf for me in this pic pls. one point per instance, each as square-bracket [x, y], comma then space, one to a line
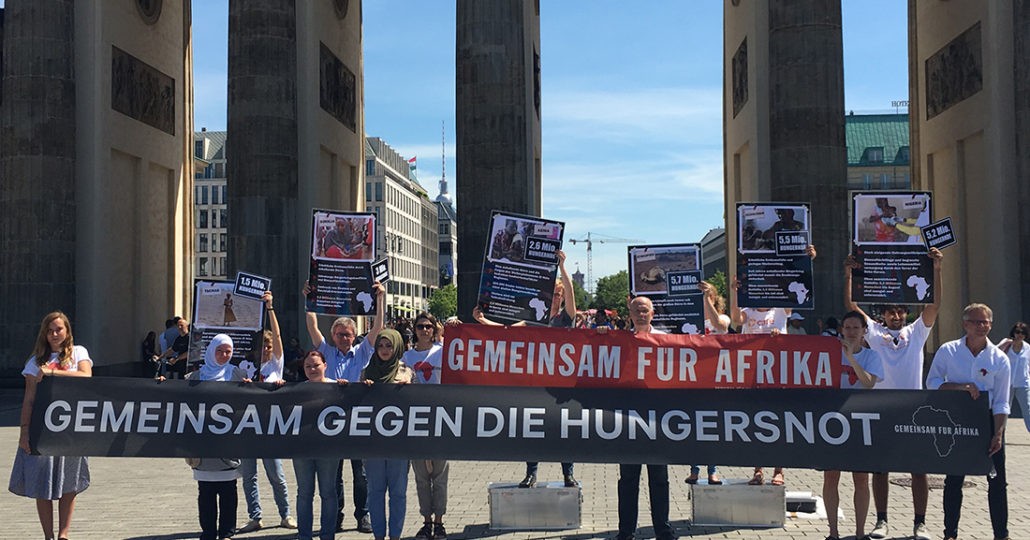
[50, 478]
[216, 477]
[385, 367]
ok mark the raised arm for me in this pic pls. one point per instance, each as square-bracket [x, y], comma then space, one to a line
[711, 313]
[570, 293]
[273, 324]
[380, 320]
[930, 312]
[312, 322]
[736, 315]
[849, 305]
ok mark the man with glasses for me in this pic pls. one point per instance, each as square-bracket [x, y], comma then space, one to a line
[344, 363]
[973, 364]
[900, 346]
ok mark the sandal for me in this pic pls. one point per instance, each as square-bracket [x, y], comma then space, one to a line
[777, 479]
[757, 480]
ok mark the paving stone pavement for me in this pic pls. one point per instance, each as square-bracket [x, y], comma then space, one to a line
[144, 498]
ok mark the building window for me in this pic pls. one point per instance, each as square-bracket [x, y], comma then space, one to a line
[203, 195]
[222, 243]
[202, 243]
[370, 167]
[214, 219]
[219, 170]
[202, 270]
[224, 219]
[225, 198]
[379, 192]
[198, 149]
[202, 219]
[221, 266]
[214, 194]
[873, 154]
[207, 172]
[885, 180]
[368, 191]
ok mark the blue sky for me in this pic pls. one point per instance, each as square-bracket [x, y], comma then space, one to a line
[631, 103]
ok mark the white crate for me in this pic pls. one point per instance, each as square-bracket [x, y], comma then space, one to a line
[548, 506]
[737, 503]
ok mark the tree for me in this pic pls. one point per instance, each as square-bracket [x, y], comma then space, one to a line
[583, 298]
[611, 293]
[718, 280]
[444, 302]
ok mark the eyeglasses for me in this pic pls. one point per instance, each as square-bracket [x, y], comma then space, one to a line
[424, 326]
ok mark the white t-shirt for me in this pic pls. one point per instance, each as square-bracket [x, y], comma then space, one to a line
[1018, 363]
[901, 352]
[764, 322]
[723, 319]
[426, 364]
[869, 360]
[271, 371]
[79, 354]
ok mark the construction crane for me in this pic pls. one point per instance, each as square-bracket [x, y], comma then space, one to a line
[589, 241]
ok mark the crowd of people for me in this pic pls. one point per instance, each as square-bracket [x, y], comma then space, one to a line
[885, 352]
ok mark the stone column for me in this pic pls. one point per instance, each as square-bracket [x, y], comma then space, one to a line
[807, 148]
[1021, 50]
[37, 165]
[498, 125]
[261, 148]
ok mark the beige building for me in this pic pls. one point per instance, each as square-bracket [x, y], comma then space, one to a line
[210, 197]
[406, 228]
[878, 151]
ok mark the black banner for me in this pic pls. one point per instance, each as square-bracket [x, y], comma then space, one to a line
[863, 430]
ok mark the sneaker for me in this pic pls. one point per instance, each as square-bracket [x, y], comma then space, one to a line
[439, 533]
[364, 524]
[288, 522]
[425, 533]
[528, 482]
[251, 526]
[880, 530]
[920, 532]
[570, 481]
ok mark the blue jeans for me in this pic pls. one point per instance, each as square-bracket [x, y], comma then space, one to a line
[532, 466]
[274, 472]
[1022, 397]
[694, 469]
[359, 489]
[307, 471]
[387, 475]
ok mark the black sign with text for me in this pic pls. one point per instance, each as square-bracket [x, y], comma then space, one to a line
[941, 431]
[939, 235]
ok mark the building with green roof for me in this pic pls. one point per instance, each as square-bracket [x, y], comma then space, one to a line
[878, 151]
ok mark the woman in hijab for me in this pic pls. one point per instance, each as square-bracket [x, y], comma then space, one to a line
[216, 477]
[385, 367]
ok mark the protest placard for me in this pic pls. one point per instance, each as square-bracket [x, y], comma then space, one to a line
[887, 244]
[340, 275]
[669, 274]
[771, 274]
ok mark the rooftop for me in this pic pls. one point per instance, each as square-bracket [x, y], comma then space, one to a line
[877, 139]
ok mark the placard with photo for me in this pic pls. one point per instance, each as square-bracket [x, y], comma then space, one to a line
[342, 251]
[216, 310]
[520, 267]
[887, 243]
[770, 275]
[669, 274]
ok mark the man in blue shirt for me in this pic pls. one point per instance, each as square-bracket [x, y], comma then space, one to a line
[344, 363]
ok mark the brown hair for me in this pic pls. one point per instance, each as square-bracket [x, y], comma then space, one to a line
[42, 348]
[432, 320]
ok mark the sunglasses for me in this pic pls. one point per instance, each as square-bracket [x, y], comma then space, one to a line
[424, 326]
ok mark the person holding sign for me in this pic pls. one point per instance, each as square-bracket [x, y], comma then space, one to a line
[323, 470]
[901, 347]
[862, 369]
[716, 322]
[387, 475]
[973, 364]
[426, 360]
[270, 370]
[50, 478]
[641, 311]
[344, 363]
[763, 321]
[562, 314]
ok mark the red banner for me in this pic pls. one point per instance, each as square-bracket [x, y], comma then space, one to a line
[560, 357]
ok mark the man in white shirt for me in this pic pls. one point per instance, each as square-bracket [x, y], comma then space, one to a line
[641, 311]
[973, 364]
[900, 347]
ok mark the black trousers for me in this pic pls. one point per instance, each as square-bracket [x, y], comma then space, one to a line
[359, 490]
[657, 490]
[997, 499]
[216, 502]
